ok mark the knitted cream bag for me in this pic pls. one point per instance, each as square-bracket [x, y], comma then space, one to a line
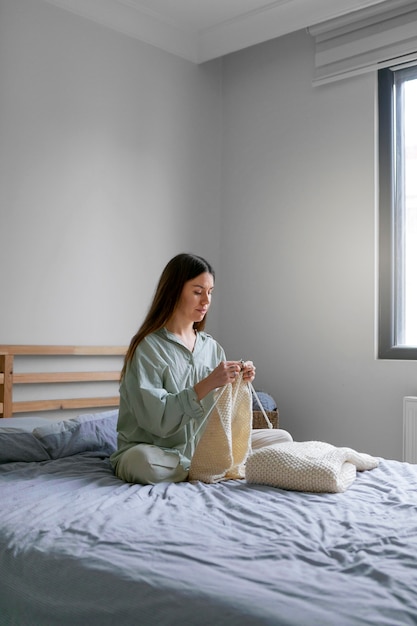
[225, 444]
[307, 466]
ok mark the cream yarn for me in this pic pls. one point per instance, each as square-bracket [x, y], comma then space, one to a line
[224, 446]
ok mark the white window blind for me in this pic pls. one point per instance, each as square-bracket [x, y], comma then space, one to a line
[365, 40]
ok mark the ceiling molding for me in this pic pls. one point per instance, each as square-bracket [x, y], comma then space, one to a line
[274, 20]
[267, 21]
[127, 19]
[362, 17]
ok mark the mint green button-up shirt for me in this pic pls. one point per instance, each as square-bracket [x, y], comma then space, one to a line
[158, 404]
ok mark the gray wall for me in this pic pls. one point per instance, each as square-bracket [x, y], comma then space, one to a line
[115, 156]
[109, 165]
[298, 252]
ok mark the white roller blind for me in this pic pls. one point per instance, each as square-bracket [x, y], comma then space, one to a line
[365, 40]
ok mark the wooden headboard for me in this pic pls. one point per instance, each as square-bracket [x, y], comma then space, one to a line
[9, 379]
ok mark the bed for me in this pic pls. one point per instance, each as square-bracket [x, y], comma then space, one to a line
[79, 546]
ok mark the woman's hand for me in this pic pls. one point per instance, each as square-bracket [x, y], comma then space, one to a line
[226, 372]
[248, 371]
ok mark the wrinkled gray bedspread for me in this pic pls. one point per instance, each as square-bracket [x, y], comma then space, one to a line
[78, 546]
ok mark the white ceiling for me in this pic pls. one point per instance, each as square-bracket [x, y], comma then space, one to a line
[200, 30]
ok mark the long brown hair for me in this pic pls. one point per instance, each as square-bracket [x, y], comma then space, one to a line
[177, 272]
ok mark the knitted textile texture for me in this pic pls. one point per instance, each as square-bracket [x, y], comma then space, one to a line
[307, 466]
[225, 443]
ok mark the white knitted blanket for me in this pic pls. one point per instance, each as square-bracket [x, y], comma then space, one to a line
[225, 443]
[307, 466]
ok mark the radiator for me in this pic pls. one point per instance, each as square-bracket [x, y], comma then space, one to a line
[410, 429]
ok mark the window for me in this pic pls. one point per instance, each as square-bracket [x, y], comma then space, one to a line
[397, 95]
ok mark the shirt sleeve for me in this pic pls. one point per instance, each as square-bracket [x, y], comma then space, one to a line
[162, 403]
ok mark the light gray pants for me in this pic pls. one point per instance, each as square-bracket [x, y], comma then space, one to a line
[148, 465]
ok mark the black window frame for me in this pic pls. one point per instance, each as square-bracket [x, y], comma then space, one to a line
[390, 224]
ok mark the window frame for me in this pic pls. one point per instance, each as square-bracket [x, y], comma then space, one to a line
[390, 226]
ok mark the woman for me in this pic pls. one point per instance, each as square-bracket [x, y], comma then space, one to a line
[170, 372]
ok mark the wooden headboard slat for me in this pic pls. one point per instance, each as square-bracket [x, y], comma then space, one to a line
[8, 379]
[28, 350]
[63, 377]
[35, 406]
[6, 386]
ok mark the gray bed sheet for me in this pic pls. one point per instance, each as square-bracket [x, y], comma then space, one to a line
[78, 546]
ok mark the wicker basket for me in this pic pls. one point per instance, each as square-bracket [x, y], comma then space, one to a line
[258, 420]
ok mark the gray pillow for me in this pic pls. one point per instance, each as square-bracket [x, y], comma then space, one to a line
[94, 432]
[17, 442]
